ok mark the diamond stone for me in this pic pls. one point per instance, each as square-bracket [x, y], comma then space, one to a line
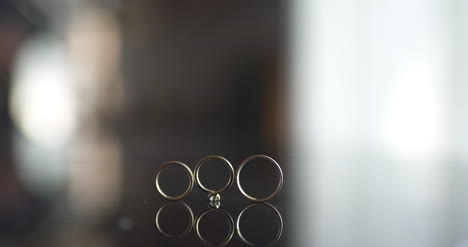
[215, 200]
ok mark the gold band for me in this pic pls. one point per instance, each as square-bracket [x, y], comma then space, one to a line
[187, 170]
[278, 188]
[228, 164]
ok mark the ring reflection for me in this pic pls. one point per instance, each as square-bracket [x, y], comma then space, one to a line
[280, 229]
[230, 222]
[191, 219]
[195, 223]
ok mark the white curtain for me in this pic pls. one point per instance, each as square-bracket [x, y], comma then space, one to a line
[379, 122]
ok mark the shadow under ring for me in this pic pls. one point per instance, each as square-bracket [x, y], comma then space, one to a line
[189, 227]
[278, 235]
[231, 227]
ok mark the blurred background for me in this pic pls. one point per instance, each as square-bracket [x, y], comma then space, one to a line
[96, 95]
[361, 102]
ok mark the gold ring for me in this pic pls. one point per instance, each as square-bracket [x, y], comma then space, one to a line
[278, 188]
[197, 174]
[187, 170]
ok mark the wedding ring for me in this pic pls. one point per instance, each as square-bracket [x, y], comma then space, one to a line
[190, 176]
[245, 162]
[197, 174]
